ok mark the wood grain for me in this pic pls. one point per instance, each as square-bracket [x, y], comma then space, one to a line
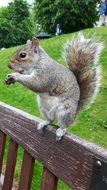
[26, 172]
[2, 147]
[10, 166]
[49, 180]
[70, 160]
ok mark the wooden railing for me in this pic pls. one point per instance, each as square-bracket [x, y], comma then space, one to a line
[77, 162]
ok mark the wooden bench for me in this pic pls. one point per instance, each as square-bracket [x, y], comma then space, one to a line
[80, 164]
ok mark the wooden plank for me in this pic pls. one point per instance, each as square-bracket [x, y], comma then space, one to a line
[2, 147]
[70, 160]
[10, 166]
[26, 172]
[49, 180]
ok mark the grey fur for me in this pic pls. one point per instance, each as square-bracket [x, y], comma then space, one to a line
[56, 85]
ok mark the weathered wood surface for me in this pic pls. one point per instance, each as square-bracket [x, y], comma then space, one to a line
[10, 166]
[49, 180]
[2, 147]
[26, 172]
[70, 160]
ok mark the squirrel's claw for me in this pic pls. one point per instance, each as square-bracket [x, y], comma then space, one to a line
[41, 126]
[40, 131]
[9, 80]
[60, 133]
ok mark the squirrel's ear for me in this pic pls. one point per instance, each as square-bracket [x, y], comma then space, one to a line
[35, 44]
[28, 42]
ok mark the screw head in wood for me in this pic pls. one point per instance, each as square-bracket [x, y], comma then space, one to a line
[98, 164]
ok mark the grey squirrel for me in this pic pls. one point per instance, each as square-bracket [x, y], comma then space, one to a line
[61, 91]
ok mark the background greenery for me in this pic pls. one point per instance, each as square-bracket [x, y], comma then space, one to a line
[71, 15]
[20, 21]
[16, 24]
[90, 124]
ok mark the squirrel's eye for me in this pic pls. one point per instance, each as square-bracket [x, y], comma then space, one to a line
[22, 54]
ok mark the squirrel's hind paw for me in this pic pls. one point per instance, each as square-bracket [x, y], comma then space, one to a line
[60, 133]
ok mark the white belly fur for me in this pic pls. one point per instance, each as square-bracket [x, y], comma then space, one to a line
[48, 105]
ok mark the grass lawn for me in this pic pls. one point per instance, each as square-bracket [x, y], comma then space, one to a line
[90, 124]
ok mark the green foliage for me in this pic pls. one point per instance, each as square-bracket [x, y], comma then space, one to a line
[71, 15]
[19, 10]
[15, 24]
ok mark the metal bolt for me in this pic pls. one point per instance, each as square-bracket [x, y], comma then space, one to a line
[98, 164]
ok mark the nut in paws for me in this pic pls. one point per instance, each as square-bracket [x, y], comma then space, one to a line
[9, 80]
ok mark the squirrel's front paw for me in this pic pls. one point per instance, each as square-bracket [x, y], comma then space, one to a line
[42, 125]
[10, 80]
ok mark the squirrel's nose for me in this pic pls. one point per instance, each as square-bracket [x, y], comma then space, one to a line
[9, 65]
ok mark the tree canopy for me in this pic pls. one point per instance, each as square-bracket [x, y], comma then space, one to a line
[15, 24]
[71, 15]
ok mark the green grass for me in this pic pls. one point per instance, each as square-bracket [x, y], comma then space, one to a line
[90, 124]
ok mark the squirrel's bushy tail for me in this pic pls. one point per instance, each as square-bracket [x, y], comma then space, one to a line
[82, 56]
